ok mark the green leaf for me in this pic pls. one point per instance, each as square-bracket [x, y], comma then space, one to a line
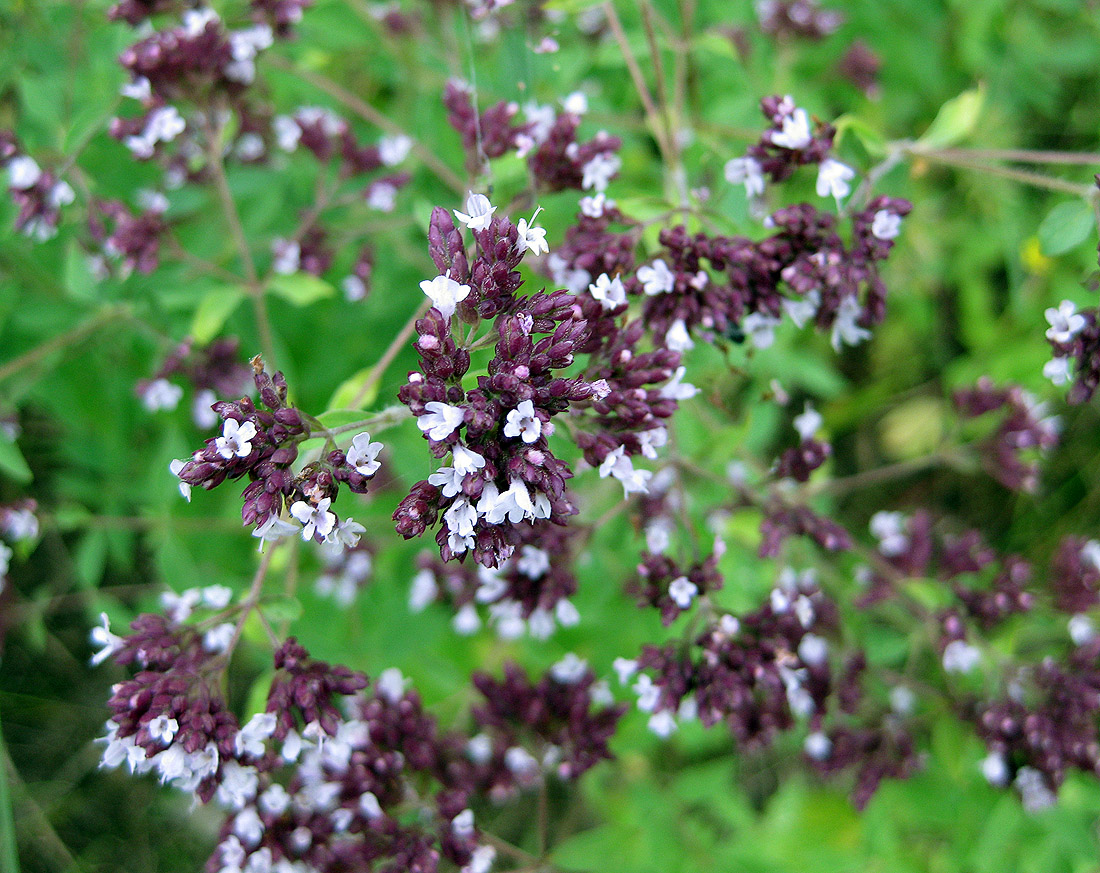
[79, 282]
[348, 393]
[1067, 225]
[955, 121]
[872, 140]
[9, 857]
[300, 289]
[12, 463]
[283, 608]
[214, 310]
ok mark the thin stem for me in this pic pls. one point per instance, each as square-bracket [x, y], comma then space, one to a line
[1037, 180]
[233, 218]
[251, 600]
[387, 418]
[389, 354]
[1023, 156]
[508, 849]
[367, 112]
[63, 341]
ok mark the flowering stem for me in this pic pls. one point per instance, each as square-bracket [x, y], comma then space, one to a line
[389, 354]
[63, 341]
[251, 599]
[1037, 180]
[233, 218]
[387, 418]
[367, 112]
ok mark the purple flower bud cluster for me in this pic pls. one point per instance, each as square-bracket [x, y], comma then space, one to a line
[38, 194]
[661, 583]
[527, 593]
[558, 162]
[1074, 337]
[133, 237]
[281, 15]
[1024, 429]
[1045, 726]
[262, 444]
[875, 753]
[555, 718]
[785, 20]
[756, 674]
[790, 142]
[134, 12]
[502, 469]
[485, 134]
[1075, 575]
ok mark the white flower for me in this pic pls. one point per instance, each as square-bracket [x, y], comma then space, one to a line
[596, 206]
[423, 591]
[801, 310]
[845, 329]
[533, 562]
[795, 132]
[656, 278]
[514, 504]
[902, 699]
[5, 562]
[288, 256]
[624, 668]
[466, 620]
[886, 224]
[345, 535]
[569, 670]
[618, 465]
[817, 746]
[813, 650]
[519, 760]
[392, 150]
[391, 684]
[597, 173]
[808, 423]
[447, 478]
[139, 89]
[567, 614]
[651, 440]
[236, 439]
[541, 121]
[662, 723]
[249, 741]
[461, 517]
[522, 421]
[445, 294]
[889, 529]
[995, 770]
[575, 103]
[1090, 554]
[201, 412]
[161, 394]
[677, 337]
[676, 388]
[658, 535]
[960, 657]
[273, 529]
[287, 132]
[1058, 370]
[760, 329]
[218, 638]
[382, 195]
[315, 519]
[833, 178]
[1035, 796]
[162, 729]
[479, 212]
[102, 636]
[748, 172]
[440, 420]
[23, 172]
[363, 454]
[531, 238]
[466, 460]
[1065, 322]
[354, 288]
[682, 591]
[174, 467]
[1081, 630]
[609, 292]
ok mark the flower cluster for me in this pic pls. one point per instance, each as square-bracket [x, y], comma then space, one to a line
[801, 19]
[38, 194]
[262, 444]
[213, 371]
[1024, 429]
[502, 471]
[1074, 336]
[485, 134]
[18, 523]
[527, 594]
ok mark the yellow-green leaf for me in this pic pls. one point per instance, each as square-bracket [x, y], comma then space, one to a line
[214, 310]
[300, 289]
[955, 121]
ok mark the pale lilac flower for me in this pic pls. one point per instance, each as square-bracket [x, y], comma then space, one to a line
[249, 741]
[102, 636]
[514, 504]
[575, 103]
[1081, 630]
[23, 172]
[273, 529]
[817, 746]
[217, 639]
[833, 178]
[1058, 370]
[533, 562]
[656, 278]
[1090, 554]
[354, 288]
[449, 479]
[960, 657]
[479, 212]
[889, 529]
[174, 467]
[597, 173]
[845, 329]
[760, 329]
[236, 439]
[802, 309]
[392, 150]
[651, 440]
[440, 420]
[382, 196]
[624, 668]
[522, 421]
[995, 769]
[288, 256]
[662, 723]
[795, 133]
[569, 670]
[287, 132]
[445, 294]
[466, 620]
[315, 519]
[748, 172]
[886, 224]
[596, 206]
[676, 388]
[532, 238]
[345, 535]
[1065, 322]
[621, 467]
[161, 394]
[677, 337]
[423, 591]
[609, 292]
[363, 454]
[682, 591]
[808, 423]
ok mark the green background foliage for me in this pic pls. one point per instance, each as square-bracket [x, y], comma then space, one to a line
[979, 260]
